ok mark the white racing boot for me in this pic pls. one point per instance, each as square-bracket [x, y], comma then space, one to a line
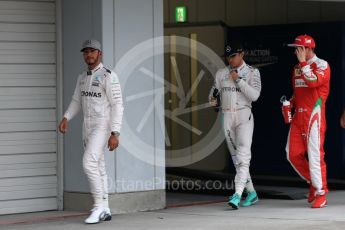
[96, 215]
[107, 215]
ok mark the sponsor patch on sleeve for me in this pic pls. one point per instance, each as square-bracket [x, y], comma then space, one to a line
[300, 83]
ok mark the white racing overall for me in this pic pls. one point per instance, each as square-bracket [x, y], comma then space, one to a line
[98, 94]
[236, 99]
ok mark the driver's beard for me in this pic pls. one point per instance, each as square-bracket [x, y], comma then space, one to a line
[91, 62]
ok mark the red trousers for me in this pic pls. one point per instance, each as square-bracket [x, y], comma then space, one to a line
[306, 154]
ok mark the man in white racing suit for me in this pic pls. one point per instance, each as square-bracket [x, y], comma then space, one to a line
[98, 94]
[239, 85]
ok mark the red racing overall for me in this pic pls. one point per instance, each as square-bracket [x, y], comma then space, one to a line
[310, 81]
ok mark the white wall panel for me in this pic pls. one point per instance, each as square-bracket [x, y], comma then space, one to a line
[27, 181]
[27, 205]
[28, 74]
[25, 11]
[23, 159]
[27, 98]
[28, 139]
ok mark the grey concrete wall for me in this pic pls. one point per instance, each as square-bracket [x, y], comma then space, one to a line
[143, 20]
[119, 202]
[257, 12]
[80, 20]
[119, 25]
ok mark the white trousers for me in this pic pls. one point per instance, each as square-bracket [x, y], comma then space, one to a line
[95, 138]
[238, 129]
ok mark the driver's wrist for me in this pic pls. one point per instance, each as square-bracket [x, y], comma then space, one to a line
[303, 63]
[115, 133]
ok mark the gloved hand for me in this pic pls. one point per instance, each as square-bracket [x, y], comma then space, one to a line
[215, 100]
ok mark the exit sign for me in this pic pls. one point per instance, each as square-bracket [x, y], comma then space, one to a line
[181, 14]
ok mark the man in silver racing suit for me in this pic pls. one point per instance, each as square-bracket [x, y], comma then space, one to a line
[239, 85]
[98, 94]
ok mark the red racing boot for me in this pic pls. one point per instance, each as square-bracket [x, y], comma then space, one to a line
[320, 201]
[311, 196]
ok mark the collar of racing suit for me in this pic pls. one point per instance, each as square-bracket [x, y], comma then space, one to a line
[312, 60]
[99, 66]
[240, 68]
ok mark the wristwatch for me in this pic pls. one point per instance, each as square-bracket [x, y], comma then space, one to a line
[116, 134]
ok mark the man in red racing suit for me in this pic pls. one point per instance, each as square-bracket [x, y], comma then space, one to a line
[310, 81]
